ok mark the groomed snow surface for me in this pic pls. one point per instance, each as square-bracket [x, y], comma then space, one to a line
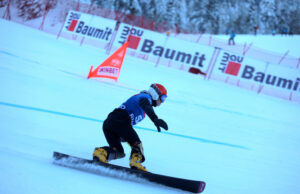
[235, 140]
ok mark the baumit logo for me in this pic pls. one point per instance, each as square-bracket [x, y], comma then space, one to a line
[232, 65]
[250, 73]
[133, 35]
[72, 21]
[79, 26]
[147, 45]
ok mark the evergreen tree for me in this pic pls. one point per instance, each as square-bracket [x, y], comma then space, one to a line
[213, 16]
[174, 8]
[3, 3]
[29, 9]
[51, 4]
[294, 22]
[171, 12]
[253, 15]
[148, 8]
[197, 15]
[267, 15]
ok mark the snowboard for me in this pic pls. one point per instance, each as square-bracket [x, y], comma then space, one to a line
[97, 167]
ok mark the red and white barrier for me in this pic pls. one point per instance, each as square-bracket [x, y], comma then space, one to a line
[265, 78]
[162, 49]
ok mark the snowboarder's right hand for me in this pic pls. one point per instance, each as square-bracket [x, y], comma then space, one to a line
[160, 123]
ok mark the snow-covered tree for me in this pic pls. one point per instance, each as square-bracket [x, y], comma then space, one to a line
[287, 14]
[3, 3]
[148, 8]
[268, 18]
[50, 4]
[30, 9]
[197, 20]
[214, 16]
[294, 22]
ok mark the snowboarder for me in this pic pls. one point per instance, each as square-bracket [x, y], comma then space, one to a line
[118, 128]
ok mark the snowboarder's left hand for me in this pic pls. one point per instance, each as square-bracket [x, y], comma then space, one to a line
[160, 123]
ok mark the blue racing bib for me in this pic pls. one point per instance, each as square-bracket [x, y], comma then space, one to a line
[133, 108]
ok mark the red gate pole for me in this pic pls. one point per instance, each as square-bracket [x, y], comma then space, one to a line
[46, 10]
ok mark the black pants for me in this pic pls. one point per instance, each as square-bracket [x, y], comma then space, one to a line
[231, 40]
[117, 126]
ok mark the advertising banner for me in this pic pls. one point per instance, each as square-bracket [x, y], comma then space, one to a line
[257, 72]
[164, 47]
[89, 26]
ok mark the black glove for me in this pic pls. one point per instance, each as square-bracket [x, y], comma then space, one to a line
[160, 123]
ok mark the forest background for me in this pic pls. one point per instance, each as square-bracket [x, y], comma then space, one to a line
[196, 16]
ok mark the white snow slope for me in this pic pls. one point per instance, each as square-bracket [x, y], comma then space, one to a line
[236, 141]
